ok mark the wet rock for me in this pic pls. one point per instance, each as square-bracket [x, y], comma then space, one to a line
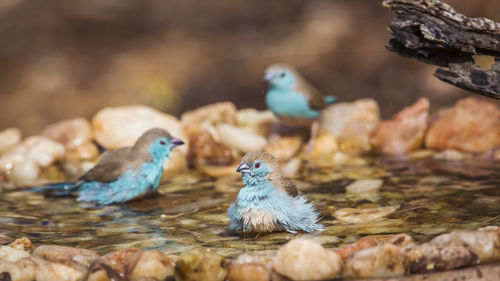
[239, 139]
[364, 186]
[46, 270]
[302, 259]
[405, 131]
[471, 126]
[430, 257]
[116, 127]
[205, 150]
[385, 260]
[351, 123]
[363, 243]
[200, 265]
[246, 258]
[23, 270]
[484, 243]
[71, 133]
[206, 117]
[255, 121]
[322, 149]
[285, 147]
[132, 263]
[61, 254]
[355, 215]
[9, 138]
[451, 155]
[248, 272]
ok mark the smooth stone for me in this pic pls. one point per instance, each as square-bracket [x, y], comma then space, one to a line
[38, 149]
[10, 254]
[351, 123]
[266, 260]
[385, 260]
[354, 215]
[429, 257]
[204, 149]
[322, 148]
[27, 171]
[360, 186]
[470, 126]
[200, 265]
[302, 259]
[405, 131]
[153, 264]
[71, 132]
[349, 250]
[9, 138]
[55, 253]
[239, 139]
[116, 127]
[203, 118]
[248, 272]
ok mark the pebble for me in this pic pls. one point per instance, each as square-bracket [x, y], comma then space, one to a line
[368, 185]
[200, 265]
[303, 259]
[430, 257]
[239, 139]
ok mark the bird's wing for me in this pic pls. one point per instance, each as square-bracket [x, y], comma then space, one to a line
[111, 166]
[288, 186]
[314, 97]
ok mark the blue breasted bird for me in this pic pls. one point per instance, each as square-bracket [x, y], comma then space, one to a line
[290, 97]
[124, 174]
[269, 201]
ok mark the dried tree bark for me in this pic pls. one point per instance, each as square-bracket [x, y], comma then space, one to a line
[433, 32]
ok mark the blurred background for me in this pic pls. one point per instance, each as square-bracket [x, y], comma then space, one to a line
[61, 59]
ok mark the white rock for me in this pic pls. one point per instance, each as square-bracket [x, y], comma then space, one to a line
[381, 261]
[25, 171]
[116, 127]
[239, 139]
[10, 254]
[8, 138]
[203, 118]
[364, 186]
[302, 259]
[71, 133]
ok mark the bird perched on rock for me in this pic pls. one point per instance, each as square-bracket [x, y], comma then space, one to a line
[269, 201]
[123, 174]
[290, 97]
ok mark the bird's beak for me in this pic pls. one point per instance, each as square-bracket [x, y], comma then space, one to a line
[243, 168]
[177, 142]
[269, 77]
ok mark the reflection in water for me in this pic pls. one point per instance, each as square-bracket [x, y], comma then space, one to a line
[433, 197]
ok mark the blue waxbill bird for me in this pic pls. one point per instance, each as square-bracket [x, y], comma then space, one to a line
[269, 201]
[124, 174]
[290, 97]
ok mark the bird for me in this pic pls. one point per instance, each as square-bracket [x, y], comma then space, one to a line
[124, 174]
[291, 98]
[269, 201]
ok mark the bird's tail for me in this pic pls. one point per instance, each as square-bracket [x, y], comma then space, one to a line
[57, 189]
[330, 99]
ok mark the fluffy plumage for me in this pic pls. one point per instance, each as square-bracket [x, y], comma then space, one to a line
[290, 97]
[269, 201]
[123, 174]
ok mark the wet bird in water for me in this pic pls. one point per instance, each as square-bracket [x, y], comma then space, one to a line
[290, 97]
[269, 201]
[124, 174]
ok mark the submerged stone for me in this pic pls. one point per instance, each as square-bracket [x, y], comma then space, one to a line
[200, 265]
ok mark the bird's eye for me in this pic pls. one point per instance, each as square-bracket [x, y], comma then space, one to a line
[163, 143]
[282, 74]
[257, 165]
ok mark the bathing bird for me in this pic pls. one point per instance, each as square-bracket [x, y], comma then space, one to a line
[269, 201]
[291, 98]
[124, 174]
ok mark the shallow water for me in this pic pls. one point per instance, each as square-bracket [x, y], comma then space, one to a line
[433, 197]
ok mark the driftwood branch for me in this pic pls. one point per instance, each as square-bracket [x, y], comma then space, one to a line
[468, 49]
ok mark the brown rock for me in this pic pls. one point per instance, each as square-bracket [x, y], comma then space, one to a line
[363, 243]
[66, 255]
[471, 126]
[204, 150]
[401, 240]
[200, 265]
[152, 264]
[351, 123]
[405, 131]
[430, 257]
[381, 261]
[248, 272]
[23, 244]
